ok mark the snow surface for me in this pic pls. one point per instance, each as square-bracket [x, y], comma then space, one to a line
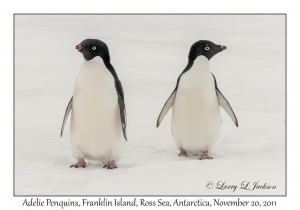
[149, 52]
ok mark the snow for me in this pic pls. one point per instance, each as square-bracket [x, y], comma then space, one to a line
[149, 52]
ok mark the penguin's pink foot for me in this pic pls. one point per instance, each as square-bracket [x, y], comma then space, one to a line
[80, 163]
[110, 165]
[182, 153]
[205, 156]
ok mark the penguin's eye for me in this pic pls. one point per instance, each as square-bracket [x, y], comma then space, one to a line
[94, 48]
[206, 48]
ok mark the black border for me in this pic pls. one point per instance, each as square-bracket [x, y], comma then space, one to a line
[14, 193]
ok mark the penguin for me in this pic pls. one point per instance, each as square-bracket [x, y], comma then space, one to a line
[196, 101]
[98, 119]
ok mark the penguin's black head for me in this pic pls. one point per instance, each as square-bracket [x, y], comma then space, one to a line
[205, 48]
[91, 48]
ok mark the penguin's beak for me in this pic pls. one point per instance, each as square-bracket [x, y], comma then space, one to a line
[78, 47]
[223, 47]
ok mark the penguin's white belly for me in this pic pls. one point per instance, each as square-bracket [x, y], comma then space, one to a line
[196, 119]
[96, 132]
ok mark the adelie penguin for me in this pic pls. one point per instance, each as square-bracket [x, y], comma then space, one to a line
[196, 101]
[98, 119]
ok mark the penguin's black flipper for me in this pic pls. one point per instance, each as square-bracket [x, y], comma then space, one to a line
[168, 105]
[68, 110]
[122, 114]
[225, 104]
[121, 100]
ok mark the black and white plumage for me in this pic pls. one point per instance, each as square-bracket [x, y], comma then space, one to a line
[98, 120]
[196, 119]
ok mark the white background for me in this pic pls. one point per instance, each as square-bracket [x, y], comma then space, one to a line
[6, 84]
[148, 53]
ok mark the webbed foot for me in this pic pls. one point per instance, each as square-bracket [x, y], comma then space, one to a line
[205, 156]
[110, 165]
[79, 164]
[182, 153]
